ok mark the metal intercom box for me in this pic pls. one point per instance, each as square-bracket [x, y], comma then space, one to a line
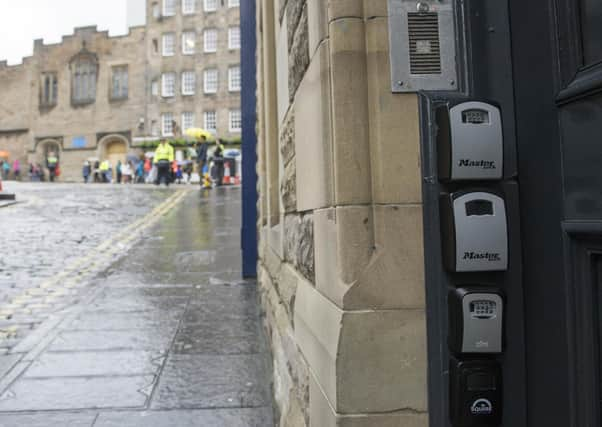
[475, 393]
[476, 318]
[422, 45]
[470, 142]
[475, 231]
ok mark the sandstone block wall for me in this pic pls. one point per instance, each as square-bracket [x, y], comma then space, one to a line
[341, 265]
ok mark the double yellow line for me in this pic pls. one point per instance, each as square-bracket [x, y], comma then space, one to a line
[73, 275]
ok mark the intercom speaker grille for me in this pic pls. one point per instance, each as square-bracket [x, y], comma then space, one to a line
[425, 46]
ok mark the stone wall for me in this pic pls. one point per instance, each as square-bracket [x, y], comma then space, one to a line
[342, 270]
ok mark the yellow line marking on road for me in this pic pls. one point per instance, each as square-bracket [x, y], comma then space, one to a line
[63, 283]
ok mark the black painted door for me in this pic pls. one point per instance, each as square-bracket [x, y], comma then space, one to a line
[557, 60]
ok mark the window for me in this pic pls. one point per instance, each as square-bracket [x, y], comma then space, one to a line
[156, 11]
[233, 3]
[210, 121]
[591, 12]
[83, 86]
[169, 44]
[234, 79]
[210, 5]
[235, 121]
[167, 124]
[211, 81]
[187, 120]
[188, 42]
[169, 7]
[210, 38]
[119, 89]
[49, 92]
[168, 84]
[234, 38]
[188, 83]
[188, 7]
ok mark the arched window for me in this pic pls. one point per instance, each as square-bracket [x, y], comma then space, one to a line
[84, 68]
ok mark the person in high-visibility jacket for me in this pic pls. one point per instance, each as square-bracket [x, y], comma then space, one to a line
[164, 155]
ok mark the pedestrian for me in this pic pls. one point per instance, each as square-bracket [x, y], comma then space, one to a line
[140, 172]
[179, 174]
[164, 155]
[97, 171]
[86, 171]
[52, 163]
[218, 158]
[201, 155]
[118, 171]
[17, 169]
[147, 167]
[5, 169]
[126, 173]
[174, 171]
[104, 171]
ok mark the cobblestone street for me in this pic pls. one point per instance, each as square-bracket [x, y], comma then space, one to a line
[127, 308]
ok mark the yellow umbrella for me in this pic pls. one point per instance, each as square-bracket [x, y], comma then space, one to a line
[197, 133]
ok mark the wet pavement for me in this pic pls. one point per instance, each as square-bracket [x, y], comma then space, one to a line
[168, 334]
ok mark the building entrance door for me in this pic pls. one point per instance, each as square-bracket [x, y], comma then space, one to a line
[116, 151]
[557, 57]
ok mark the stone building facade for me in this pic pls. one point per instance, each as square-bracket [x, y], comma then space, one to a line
[339, 167]
[95, 96]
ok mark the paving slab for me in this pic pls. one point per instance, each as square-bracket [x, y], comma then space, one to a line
[199, 381]
[242, 417]
[140, 339]
[76, 393]
[48, 420]
[86, 364]
[117, 321]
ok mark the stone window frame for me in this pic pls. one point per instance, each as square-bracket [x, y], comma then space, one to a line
[168, 49]
[234, 79]
[188, 7]
[188, 120]
[234, 37]
[119, 89]
[233, 3]
[210, 43]
[169, 8]
[187, 47]
[210, 121]
[188, 82]
[168, 88]
[49, 89]
[167, 124]
[235, 120]
[210, 84]
[84, 75]
[210, 5]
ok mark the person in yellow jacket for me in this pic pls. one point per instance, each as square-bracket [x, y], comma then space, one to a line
[164, 156]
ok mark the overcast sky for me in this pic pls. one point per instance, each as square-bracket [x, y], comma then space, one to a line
[23, 21]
